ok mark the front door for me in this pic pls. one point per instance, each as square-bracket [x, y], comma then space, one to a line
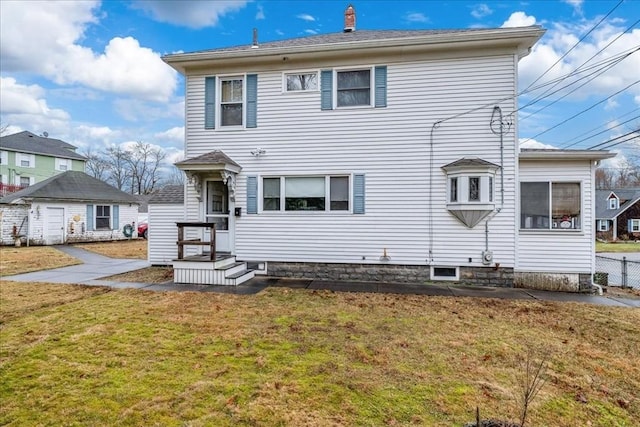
[217, 209]
[54, 226]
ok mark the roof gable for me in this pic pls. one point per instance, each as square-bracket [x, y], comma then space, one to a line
[627, 197]
[71, 186]
[27, 142]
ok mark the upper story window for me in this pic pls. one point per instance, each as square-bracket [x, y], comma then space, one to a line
[550, 205]
[301, 82]
[25, 181]
[231, 101]
[614, 203]
[4, 158]
[25, 160]
[353, 88]
[361, 87]
[63, 164]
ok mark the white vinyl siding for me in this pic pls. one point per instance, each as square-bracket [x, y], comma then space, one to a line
[389, 146]
[163, 232]
[4, 157]
[547, 250]
[25, 160]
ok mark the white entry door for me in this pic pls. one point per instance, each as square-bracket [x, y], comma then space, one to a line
[54, 226]
[217, 211]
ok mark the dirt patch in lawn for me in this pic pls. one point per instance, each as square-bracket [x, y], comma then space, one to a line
[26, 259]
[311, 358]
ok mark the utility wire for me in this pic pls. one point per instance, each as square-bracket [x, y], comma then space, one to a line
[631, 138]
[581, 112]
[633, 132]
[600, 126]
[601, 132]
[542, 96]
[592, 76]
[577, 43]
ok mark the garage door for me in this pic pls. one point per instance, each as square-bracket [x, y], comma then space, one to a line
[54, 226]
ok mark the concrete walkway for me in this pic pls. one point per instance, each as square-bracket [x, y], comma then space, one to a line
[96, 267]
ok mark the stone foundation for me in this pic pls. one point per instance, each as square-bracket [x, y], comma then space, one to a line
[561, 282]
[484, 276]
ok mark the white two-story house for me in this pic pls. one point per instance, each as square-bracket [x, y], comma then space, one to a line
[378, 155]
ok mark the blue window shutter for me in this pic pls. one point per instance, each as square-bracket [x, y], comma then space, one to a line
[209, 102]
[116, 217]
[326, 90]
[89, 217]
[358, 194]
[252, 194]
[381, 86]
[252, 100]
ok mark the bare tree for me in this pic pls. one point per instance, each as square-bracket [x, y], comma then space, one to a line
[144, 162]
[97, 165]
[3, 128]
[119, 173]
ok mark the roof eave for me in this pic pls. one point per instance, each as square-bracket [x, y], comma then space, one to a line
[562, 155]
[519, 38]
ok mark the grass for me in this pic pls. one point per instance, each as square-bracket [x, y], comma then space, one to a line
[35, 258]
[72, 355]
[124, 249]
[617, 247]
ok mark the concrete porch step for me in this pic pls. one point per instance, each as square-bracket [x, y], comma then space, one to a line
[240, 277]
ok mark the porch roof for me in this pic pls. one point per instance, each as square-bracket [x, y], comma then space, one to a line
[211, 161]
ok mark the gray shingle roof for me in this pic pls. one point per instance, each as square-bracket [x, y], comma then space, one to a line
[210, 158]
[627, 196]
[27, 142]
[71, 186]
[169, 194]
[470, 162]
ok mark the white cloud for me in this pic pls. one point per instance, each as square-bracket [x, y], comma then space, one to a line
[519, 19]
[532, 143]
[561, 37]
[189, 13]
[306, 17]
[53, 51]
[481, 10]
[134, 110]
[19, 101]
[416, 17]
[576, 4]
[175, 134]
[260, 13]
[312, 32]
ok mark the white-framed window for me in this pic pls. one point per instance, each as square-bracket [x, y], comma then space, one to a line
[634, 225]
[444, 273]
[603, 225]
[25, 160]
[25, 181]
[103, 217]
[614, 203]
[231, 101]
[63, 164]
[354, 87]
[4, 157]
[304, 81]
[306, 193]
[550, 205]
[471, 189]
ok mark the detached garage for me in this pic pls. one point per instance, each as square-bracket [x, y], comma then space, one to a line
[67, 208]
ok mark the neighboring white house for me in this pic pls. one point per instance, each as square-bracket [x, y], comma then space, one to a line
[69, 207]
[379, 155]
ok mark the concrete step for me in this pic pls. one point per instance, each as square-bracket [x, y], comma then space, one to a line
[239, 277]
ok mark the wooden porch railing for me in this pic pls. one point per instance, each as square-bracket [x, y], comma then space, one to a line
[197, 242]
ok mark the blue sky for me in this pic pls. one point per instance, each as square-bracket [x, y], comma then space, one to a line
[90, 72]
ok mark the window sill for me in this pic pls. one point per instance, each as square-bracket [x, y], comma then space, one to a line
[551, 230]
[229, 128]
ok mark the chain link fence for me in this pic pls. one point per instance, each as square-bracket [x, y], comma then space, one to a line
[617, 272]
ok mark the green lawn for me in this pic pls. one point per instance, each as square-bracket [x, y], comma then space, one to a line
[618, 247]
[73, 355]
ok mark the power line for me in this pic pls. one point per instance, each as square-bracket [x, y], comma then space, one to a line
[582, 112]
[633, 132]
[598, 127]
[601, 132]
[585, 62]
[577, 43]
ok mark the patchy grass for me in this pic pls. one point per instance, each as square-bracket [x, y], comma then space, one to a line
[618, 247]
[130, 249]
[33, 258]
[145, 275]
[300, 357]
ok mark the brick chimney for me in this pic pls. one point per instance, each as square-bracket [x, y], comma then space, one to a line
[349, 19]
